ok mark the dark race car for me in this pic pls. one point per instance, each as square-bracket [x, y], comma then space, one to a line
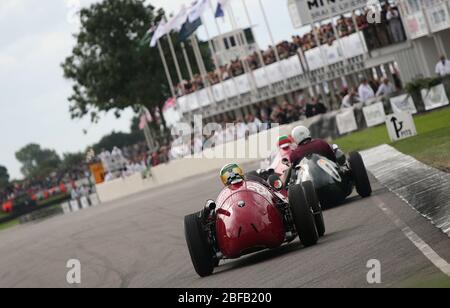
[333, 182]
[247, 217]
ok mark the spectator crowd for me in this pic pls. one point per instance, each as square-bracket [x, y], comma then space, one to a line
[377, 35]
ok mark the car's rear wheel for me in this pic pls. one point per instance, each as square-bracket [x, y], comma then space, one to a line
[303, 216]
[199, 249]
[313, 201]
[360, 176]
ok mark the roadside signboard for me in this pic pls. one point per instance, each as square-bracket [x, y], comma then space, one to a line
[403, 103]
[346, 122]
[400, 126]
[374, 114]
[435, 97]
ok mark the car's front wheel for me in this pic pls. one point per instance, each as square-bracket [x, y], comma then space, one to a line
[199, 249]
[302, 216]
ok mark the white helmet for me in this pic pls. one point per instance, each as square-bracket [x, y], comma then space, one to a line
[300, 134]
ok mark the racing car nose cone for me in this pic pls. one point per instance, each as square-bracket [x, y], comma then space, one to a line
[241, 204]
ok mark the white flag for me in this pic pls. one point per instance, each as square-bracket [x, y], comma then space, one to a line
[197, 10]
[177, 21]
[159, 33]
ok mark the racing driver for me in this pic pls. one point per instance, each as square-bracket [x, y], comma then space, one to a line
[307, 145]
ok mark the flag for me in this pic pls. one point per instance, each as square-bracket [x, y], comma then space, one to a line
[145, 41]
[177, 21]
[142, 122]
[159, 33]
[170, 103]
[220, 8]
[219, 11]
[196, 10]
[188, 29]
[148, 116]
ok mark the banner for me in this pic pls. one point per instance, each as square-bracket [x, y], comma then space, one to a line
[243, 84]
[261, 77]
[374, 114]
[333, 52]
[403, 103]
[305, 12]
[346, 122]
[416, 25]
[435, 97]
[230, 88]
[218, 93]
[314, 59]
[353, 45]
[203, 98]
[438, 17]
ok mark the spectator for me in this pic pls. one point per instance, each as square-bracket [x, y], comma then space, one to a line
[254, 124]
[386, 88]
[365, 91]
[349, 100]
[314, 108]
[443, 67]
[395, 25]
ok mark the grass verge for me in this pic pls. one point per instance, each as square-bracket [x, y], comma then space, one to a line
[431, 145]
[9, 224]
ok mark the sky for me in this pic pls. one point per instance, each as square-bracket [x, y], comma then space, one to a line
[36, 37]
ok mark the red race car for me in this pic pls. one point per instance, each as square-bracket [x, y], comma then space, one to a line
[249, 215]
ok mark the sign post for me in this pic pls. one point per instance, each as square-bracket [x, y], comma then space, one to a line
[400, 126]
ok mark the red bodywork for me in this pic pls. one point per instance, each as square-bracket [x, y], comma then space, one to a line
[256, 225]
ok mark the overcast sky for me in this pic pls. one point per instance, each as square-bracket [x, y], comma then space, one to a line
[35, 38]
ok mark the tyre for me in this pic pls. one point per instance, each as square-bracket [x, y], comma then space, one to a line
[359, 174]
[303, 217]
[199, 249]
[313, 201]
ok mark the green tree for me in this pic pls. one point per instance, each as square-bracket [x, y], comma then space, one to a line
[110, 68]
[4, 177]
[119, 140]
[72, 159]
[37, 162]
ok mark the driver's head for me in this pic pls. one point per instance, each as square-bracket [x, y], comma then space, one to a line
[284, 142]
[231, 174]
[301, 134]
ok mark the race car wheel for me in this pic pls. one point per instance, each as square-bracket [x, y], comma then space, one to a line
[199, 249]
[303, 216]
[313, 201]
[359, 173]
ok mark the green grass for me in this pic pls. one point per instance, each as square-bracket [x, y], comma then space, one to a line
[439, 281]
[431, 145]
[2, 214]
[9, 224]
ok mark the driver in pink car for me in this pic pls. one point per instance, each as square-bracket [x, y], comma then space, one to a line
[307, 145]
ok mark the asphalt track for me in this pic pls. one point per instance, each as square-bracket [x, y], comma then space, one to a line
[139, 242]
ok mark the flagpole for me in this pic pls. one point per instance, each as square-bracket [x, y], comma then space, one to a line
[247, 68]
[202, 67]
[166, 69]
[188, 63]
[269, 30]
[219, 31]
[260, 55]
[274, 46]
[216, 61]
[174, 55]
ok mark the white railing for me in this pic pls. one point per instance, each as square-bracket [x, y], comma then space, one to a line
[278, 72]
